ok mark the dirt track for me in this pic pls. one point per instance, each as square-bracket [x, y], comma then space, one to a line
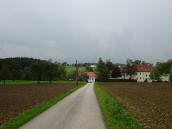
[15, 99]
[150, 103]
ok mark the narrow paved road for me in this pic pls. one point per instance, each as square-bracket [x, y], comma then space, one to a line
[80, 110]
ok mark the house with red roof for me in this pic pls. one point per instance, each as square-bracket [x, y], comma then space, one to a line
[142, 72]
[91, 77]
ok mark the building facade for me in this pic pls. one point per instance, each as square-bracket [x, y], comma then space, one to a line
[141, 72]
[91, 77]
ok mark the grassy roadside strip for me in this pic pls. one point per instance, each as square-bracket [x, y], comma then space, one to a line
[22, 82]
[116, 117]
[27, 115]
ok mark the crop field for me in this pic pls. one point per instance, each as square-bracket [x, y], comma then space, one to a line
[150, 103]
[15, 99]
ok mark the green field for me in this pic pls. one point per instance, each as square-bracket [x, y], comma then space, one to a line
[70, 69]
[20, 82]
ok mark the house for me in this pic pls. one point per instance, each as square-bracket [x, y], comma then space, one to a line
[91, 77]
[142, 72]
[93, 66]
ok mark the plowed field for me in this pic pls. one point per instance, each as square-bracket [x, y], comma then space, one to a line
[15, 99]
[151, 103]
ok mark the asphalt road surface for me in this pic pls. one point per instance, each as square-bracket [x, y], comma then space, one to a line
[80, 110]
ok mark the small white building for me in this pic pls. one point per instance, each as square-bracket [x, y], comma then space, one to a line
[93, 66]
[165, 78]
[91, 77]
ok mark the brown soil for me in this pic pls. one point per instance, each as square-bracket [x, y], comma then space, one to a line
[15, 99]
[151, 103]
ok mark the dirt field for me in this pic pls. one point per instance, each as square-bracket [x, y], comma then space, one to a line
[150, 103]
[15, 99]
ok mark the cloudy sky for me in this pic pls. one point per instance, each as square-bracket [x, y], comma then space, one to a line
[66, 30]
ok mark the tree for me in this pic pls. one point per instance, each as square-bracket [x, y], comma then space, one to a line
[109, 66]
[82, 76]
[103, 73]
[62, 72]
[171, 74]
[130, 68]
[26, 73]
[138, 62]
[4, 73]
[15, 70]
[164, 67]
[37, 71]
[71, 75]
[116, 72]
[155, 74]
[51, 71]
[89, 69]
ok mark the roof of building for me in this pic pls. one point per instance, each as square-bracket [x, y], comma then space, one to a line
[143, 68]
[91, 74]
[138, 68]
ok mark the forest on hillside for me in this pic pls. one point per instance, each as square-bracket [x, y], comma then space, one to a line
[23, 68]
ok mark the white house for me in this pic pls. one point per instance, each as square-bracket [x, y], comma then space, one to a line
[91, 77]
[142, 72]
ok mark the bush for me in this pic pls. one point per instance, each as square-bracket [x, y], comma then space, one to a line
[171, 75]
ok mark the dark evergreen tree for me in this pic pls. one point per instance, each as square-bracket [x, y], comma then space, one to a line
[4, 72]
[102, 70]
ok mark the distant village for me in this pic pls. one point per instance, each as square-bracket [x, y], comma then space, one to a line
[138, 71]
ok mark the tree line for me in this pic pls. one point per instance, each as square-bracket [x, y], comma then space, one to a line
[23, 68]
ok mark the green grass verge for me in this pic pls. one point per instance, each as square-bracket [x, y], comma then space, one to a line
[20, 82]
[116, 117]
[27, 115]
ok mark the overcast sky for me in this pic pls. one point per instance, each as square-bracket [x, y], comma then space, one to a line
[65, 30]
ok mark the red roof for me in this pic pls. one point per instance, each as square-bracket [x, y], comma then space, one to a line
[143, 68]
[138, 68]
[91, 74]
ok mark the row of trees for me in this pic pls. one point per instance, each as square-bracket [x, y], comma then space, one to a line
[30, 69]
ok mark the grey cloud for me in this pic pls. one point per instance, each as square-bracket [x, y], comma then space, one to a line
[86, 29]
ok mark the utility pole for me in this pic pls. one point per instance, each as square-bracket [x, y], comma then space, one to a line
[76, 72]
